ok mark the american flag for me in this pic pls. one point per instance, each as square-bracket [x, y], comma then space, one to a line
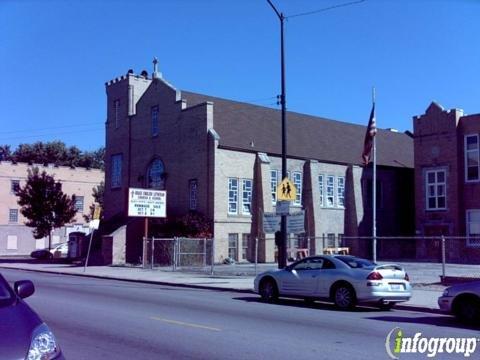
[369, 135]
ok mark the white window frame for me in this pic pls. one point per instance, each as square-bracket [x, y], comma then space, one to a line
[247, 186]
[297, 181]
[155, 125]
[14, 184]
[436, 186]
[79, 200]
[233, 238]
[232, 196]
[341, 191]
[193, 193]
[13, 216]
[470, 243]
[475, 152]
[330, 191]
[273, 185]
[321, 188]
[245, 242]
[116, 176]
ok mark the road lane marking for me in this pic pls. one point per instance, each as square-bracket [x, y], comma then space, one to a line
[185, 324]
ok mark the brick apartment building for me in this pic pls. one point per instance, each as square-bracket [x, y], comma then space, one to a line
[15, 237]
[222, 158]
[447, 182]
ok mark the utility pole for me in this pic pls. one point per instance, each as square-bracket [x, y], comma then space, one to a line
[282, 249]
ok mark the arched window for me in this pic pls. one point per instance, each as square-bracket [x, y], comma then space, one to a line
[156, 175]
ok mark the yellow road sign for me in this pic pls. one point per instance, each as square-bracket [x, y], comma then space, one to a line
[96, 213]
[286, 191]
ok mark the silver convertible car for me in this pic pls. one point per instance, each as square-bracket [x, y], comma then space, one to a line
[344, 280]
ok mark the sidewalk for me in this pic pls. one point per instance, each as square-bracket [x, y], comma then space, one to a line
[424, 278]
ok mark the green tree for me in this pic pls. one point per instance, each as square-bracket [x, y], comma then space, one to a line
[44, 204]
[54, 152]
[5, 153]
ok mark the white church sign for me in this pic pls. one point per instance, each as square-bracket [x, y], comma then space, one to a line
[147, 203]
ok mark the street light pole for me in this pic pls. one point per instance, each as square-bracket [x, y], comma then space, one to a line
[282, 249]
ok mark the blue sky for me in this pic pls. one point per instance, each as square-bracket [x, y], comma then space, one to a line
[56, 56]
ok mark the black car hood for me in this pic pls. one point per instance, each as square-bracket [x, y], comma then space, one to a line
[17, 322]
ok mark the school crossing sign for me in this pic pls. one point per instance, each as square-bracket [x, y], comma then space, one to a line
[286, 190]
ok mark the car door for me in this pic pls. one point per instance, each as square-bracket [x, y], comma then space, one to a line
[327, 275]
[302, 278]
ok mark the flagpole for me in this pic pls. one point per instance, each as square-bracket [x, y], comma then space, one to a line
[374, 186]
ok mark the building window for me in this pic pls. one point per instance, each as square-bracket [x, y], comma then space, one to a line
[330, 190]
[320, 189]
[154, 117]
[13, 216]
[245, 241]
[79, 203]
[156, 175]
[14, 186]
[331, 240]
[273, 185]
[472, 160]
[297, 181]
[116, 113]
[246, 196]
[12, 243]
[192, 190]
[340, 191]
[116, 171]
[436, 185]
[233, 246]
[473, 227]
[232, 196]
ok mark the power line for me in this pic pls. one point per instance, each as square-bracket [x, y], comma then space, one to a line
[325, 9]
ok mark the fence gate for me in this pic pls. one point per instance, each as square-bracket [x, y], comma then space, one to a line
[187, 254]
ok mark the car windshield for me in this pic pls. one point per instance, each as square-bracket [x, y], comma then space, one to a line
[6, 295]
[356, 263]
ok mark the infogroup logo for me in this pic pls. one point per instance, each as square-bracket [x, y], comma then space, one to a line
[397, 343]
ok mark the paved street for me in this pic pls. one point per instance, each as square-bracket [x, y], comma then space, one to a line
[108, 319]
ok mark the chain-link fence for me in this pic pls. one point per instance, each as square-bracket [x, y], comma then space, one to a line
[452, 256]
[433, 255]
[192, 254]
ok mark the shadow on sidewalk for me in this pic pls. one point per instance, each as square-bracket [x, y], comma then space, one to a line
[439, 320]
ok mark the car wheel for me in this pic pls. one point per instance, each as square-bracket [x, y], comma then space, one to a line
[344, 297]
[467, 309]
[268, 290]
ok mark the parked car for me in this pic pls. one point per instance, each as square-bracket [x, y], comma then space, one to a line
[342, 279]
[58, 251]
[463, 301]
[24, 334]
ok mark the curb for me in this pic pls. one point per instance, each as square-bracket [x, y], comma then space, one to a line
[202, 287]
[152, 282]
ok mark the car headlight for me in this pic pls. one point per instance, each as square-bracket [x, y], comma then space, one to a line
[43, 346]
[445, 292]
